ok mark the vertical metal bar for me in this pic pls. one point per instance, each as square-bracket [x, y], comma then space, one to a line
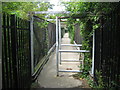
[8, 46]
[59, 39]
[32, 50]
[26, 60]
[29, 59]
[57, 58]
[5, 52]
[18, 52]
[22, 59]
[0, 46]
[14, 50]
[93, 53]
[11, 62]
[117, 29]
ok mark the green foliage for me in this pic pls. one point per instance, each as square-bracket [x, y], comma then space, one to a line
[89, 13]
[42, 24]
[100, 79]
[91, 82]
[87, 78]
[22, 9]
[70, 27]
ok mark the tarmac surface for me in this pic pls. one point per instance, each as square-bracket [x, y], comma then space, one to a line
[48, 77]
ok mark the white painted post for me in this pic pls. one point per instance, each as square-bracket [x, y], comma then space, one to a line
[57, 53]
[32, 44]
[60, 39]
[0, 46]
[93, 53]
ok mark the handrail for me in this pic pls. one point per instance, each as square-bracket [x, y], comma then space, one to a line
[44, 60]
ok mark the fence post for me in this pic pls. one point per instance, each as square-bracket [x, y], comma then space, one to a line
[32, 49]
[59, 39]
[14, 49]
[93, 53]
[57, 47]
[0, 46]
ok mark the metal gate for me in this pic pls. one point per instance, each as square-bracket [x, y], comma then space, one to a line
[59, 50]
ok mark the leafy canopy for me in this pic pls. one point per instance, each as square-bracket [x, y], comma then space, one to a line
[22, 9]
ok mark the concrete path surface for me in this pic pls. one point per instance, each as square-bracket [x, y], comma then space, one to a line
[48, 78]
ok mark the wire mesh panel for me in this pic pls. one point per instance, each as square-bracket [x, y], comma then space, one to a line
[44, 39]
[77, 37]
[39, 40]
[51, 34]
[16, 70]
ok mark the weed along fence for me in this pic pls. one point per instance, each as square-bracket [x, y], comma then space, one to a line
[16, 64]
[43, 43]
[107, 51]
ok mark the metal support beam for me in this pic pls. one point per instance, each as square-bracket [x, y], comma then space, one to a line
[70, 71]
[59, 40]
[32, 44]
[74, 51]
[74, 45]
[51, 12]
[57, 47]
[70, 60]
[0, 46]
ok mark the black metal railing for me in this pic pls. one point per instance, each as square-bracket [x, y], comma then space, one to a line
[16, 69]
[107, 50]
[16, 51]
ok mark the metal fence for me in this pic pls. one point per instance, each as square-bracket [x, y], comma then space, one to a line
[16, 49]
[107, 50]
[77, 37]
[44, 38]
[39, 40]
[0, 49]
[52, 33]
[16, 69]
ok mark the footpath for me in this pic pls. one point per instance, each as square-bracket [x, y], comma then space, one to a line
[48, 78]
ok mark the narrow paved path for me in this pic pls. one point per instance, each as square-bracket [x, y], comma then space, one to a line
[48, 78]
